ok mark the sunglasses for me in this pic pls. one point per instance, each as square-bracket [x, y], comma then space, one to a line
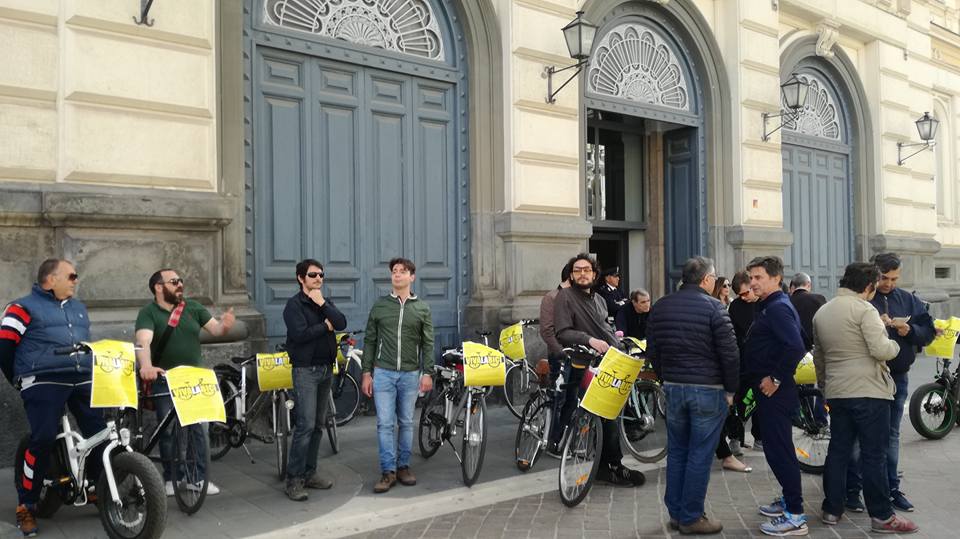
[315, 274]
[73, 277]
[744, 294]
[175, 282]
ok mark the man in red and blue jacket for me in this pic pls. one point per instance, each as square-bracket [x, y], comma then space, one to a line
[32, 329]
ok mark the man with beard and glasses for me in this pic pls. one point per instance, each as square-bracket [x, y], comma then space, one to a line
[580, 318]
[168, 335]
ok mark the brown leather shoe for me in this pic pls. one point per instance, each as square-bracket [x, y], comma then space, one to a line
[703, 526]
[385, 483]
[405, 476]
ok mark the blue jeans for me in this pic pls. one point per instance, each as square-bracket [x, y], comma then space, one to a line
[395, 395]
[695, 417]
[167, 443]
[855, 479]
[311, 394]
[866, 421]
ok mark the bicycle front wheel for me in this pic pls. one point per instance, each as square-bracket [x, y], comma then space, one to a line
[810, 443]
[519, 385]
[142, 511]
[580, 459]
[331, 422]
[221, 433]
[643, 423]
[474, 437]
[932, 412]
[533, 431]
[282, 432]
[346, 396]
[191, 463]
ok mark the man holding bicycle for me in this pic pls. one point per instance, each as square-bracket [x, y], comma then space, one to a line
[580, 318]
[32, 329]
[168, 336]
[312, 322]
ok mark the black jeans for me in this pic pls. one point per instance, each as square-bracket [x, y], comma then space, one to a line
[867, 421]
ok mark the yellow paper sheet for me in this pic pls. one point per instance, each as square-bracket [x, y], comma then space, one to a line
[806, 373]
[611, 385]
[114, 381]
[483, 366]
[274, 371]
[196, 395]
[511, 342]
[943, 345]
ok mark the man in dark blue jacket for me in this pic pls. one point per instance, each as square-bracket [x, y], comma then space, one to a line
[773, 348]
[32, 330]
[692, 346]
[909, 324]
[312, 321]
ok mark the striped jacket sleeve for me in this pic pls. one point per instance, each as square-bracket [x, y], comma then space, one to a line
[13, 326]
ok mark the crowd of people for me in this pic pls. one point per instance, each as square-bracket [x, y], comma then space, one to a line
[709, 342]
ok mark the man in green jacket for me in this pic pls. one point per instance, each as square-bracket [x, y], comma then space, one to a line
[397, 362]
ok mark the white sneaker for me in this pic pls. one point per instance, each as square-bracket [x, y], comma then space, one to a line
[212, 490]
[168, 487]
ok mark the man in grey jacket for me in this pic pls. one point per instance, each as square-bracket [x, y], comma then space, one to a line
[850, 353]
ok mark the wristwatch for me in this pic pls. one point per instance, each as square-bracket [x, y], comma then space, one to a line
[776, 381]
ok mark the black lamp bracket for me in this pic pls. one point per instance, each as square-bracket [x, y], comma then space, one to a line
[550, 71]
[901, 145]
[768, 115]
[145, 6]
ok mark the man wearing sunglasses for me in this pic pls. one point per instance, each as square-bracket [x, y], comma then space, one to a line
[32, 328]
[312, 321]
[168, 335]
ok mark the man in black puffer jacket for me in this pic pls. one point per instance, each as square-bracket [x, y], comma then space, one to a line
[691, 343]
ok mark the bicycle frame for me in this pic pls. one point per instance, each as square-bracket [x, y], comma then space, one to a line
[79, 448]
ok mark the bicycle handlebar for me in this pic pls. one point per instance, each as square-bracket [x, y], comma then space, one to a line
[71, 349]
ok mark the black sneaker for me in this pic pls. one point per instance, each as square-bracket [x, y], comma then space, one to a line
[854, 503]
[621, 476]
[553, 449]
[900, 501]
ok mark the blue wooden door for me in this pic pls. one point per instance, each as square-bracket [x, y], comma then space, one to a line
[354, 166]
[682, 212]
[817, 210]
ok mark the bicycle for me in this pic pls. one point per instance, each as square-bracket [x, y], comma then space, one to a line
[934, 405]
[136, 507]
[190, 483]
[346, 391]
[243, 409]
[536, 421]
[452, 406]
[643, 421]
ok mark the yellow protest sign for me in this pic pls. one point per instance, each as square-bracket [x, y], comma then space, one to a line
[511, 342]
[945, 342]
[483, 366]
[611, 384]
[274, 371]
[806, 373]
[196, 395]
[635, 345]
[114, 381]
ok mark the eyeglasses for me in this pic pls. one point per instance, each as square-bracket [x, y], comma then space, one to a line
[315, 274]
[175, 282]
[581, 270]
[73, 277]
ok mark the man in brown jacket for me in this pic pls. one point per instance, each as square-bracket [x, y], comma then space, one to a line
[850, 351]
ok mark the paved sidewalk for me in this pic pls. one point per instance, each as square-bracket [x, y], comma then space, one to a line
[504, 502]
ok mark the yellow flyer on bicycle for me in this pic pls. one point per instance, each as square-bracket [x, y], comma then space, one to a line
[511, 342]
[945, 342]
[114, 381]
[196, 395]
[805, 374]
[611, 384]
[274, 371]
[483, 366]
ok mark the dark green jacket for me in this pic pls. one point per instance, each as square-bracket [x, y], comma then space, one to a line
[399, 336]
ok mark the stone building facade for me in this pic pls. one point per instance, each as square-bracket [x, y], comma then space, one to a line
[232, 138]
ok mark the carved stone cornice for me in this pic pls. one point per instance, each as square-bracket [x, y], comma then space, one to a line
[827, 34]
